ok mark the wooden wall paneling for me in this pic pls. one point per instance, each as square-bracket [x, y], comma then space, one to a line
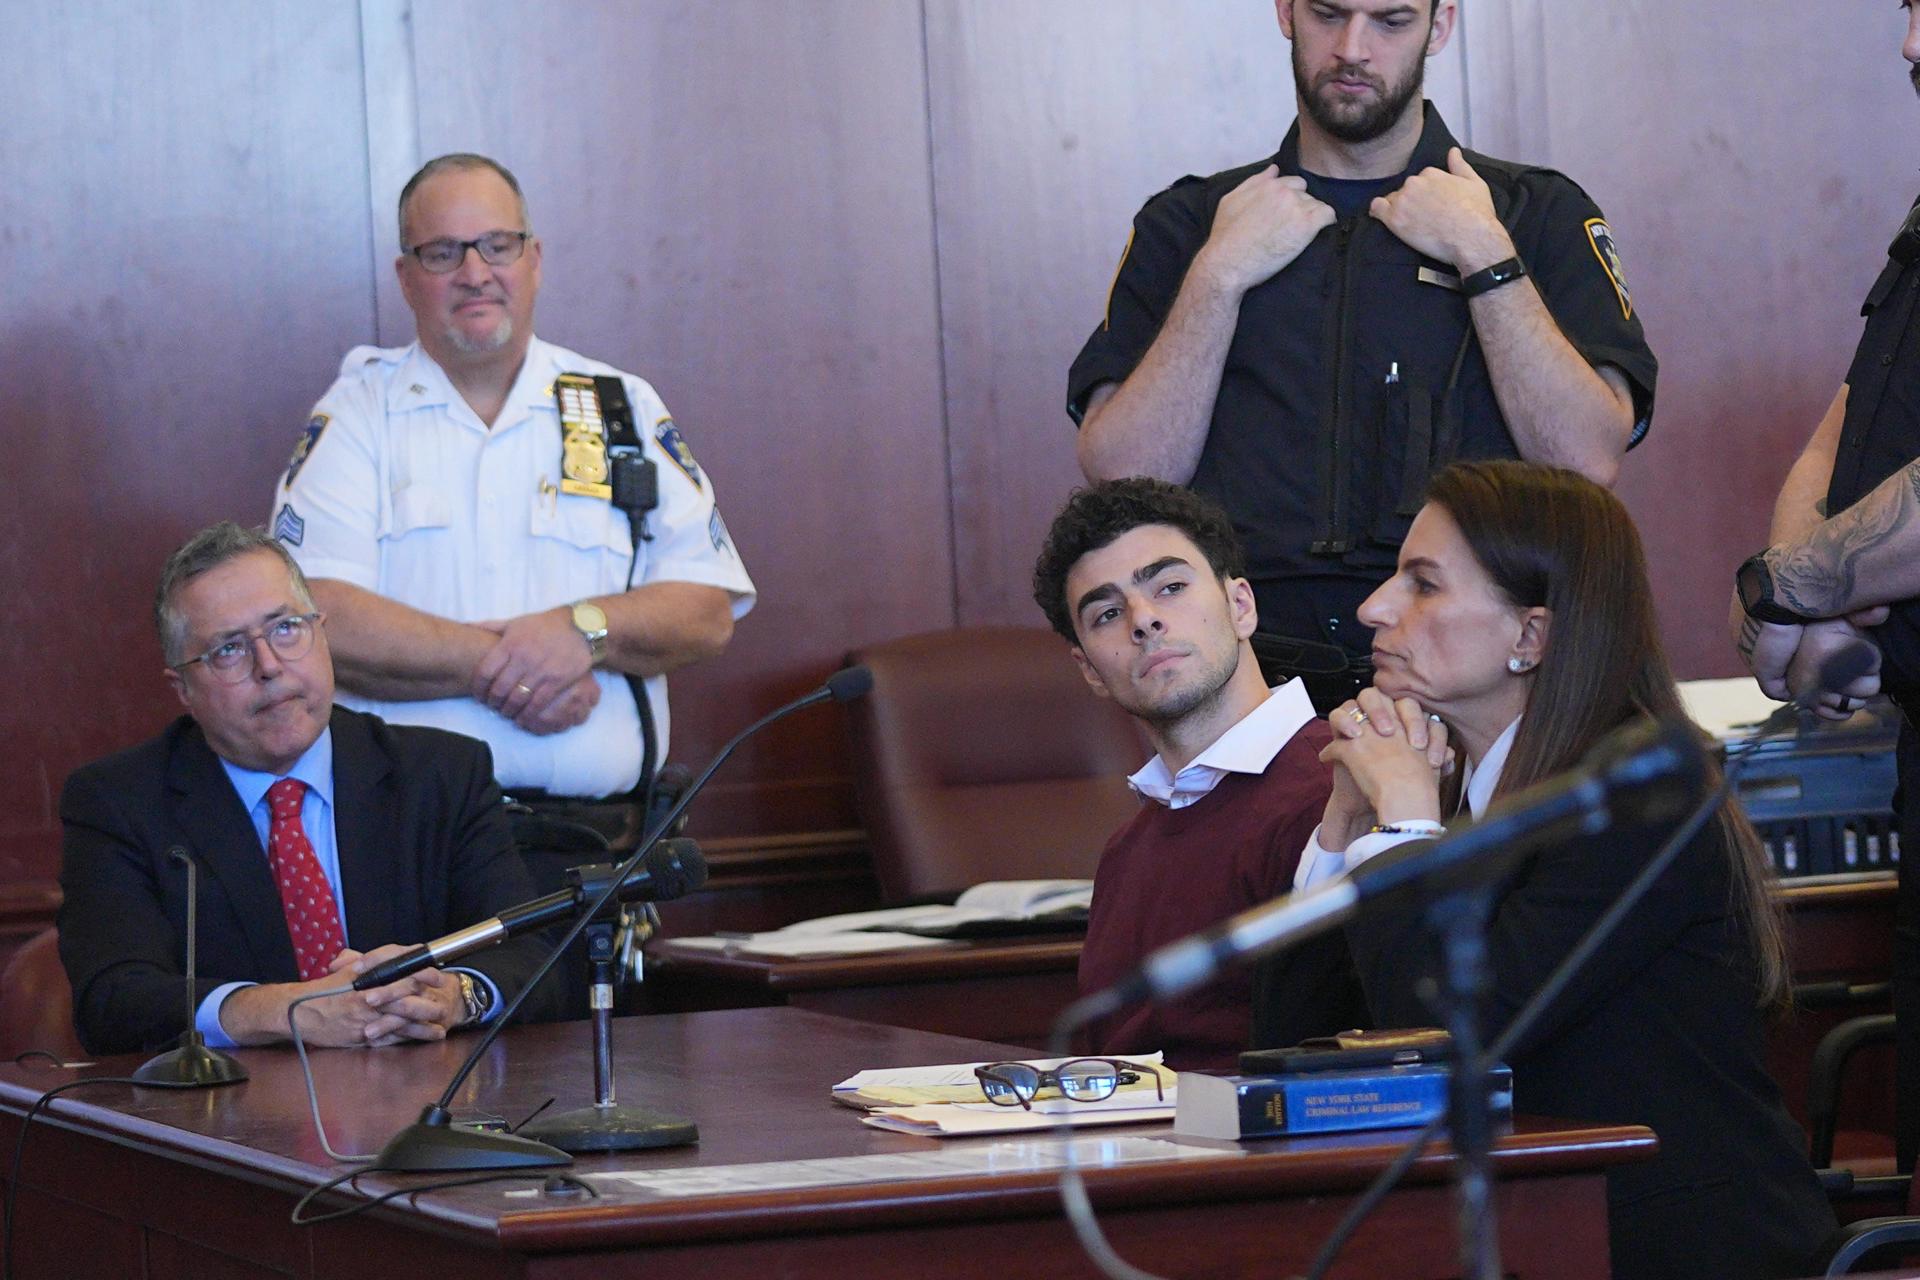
[1504, 76]
[1753, 173]
[1052, 124]
[734, 198]
[185, 239]
[393, 152]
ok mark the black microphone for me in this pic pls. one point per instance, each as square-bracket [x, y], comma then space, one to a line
[671, 869]
[192, 1065]
[1646, 771]
[843, 685]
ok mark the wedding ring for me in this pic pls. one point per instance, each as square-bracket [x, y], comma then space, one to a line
[1359, 716]
[522, 688]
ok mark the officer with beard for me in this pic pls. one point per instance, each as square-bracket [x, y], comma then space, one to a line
[1308, 338]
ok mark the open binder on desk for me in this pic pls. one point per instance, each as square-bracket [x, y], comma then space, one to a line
[998, 908]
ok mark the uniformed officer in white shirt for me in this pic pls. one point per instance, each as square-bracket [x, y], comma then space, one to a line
[465, 586]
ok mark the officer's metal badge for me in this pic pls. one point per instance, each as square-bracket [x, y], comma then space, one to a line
[1603, 248]
[289, 527]
[676, 448]
[308, 439]
[583, 437]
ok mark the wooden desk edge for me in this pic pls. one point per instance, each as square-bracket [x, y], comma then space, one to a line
[1267, 1168]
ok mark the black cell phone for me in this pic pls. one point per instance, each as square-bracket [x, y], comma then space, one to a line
[1295, 1060]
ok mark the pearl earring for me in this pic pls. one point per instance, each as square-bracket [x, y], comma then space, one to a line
[1515, 665]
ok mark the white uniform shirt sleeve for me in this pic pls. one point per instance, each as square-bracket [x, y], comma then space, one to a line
[329, 511]
[691, 542]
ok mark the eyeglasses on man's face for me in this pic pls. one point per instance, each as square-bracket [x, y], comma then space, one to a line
[496, 249]
[1016, 1084]
[231, 661]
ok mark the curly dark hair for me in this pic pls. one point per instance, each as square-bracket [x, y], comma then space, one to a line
[1096, 515]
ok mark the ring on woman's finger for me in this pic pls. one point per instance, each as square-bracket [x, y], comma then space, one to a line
[1359, 716]
[524, 689]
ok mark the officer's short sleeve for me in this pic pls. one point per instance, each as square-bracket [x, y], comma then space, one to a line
[326, 509]
[1166, 234]
[691, 542]
[1575, 262]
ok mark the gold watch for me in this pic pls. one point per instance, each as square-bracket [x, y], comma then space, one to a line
[590, 620]
[476, 1000]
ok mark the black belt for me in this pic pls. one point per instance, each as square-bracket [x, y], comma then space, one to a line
[569, 824]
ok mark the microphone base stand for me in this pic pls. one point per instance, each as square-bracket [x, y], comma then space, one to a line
[191, 1066]
[1460, 921]
[434, 1144]
[606, 1125]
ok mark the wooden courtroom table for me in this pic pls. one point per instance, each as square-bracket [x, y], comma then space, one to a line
[157, 1184]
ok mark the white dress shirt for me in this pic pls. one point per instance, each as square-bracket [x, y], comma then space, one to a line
[1248, 747]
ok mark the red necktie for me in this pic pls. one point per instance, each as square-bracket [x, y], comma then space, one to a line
[313, 918]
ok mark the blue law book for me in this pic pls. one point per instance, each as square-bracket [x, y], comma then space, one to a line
[1234, 1107]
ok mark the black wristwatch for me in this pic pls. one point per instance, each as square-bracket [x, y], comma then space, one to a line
[1487, 279]
[1754, 581]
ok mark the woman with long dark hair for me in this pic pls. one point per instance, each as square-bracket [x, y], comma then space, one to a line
[1516, 632]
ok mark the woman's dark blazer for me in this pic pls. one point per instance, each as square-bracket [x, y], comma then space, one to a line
[1661, 1028]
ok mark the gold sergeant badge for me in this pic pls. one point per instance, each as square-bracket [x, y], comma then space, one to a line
[583, 437]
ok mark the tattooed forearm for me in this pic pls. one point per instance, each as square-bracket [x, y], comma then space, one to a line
[1820, 576]
[1749, 633]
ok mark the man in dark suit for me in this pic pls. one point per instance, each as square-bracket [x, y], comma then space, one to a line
[327, 841]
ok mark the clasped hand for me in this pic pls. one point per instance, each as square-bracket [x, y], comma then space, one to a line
[1787, 660]
[539, 674]
[423, 1006]
[1388, 758]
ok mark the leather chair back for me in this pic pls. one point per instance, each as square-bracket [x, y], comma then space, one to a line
[982, 755]
[36, 1002]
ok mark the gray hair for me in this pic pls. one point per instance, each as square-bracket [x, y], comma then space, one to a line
[209, 549]
[459, 162]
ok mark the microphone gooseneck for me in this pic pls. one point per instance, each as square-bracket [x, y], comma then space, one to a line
[192, 1065]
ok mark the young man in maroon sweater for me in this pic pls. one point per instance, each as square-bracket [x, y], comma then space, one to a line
[1144, 581]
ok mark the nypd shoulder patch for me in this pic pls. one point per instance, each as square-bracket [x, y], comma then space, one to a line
[304, 448]
[675, 447]
[288, 526]
[1601, 238]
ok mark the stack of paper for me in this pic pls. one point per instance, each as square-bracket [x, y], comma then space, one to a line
[946, 1102]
